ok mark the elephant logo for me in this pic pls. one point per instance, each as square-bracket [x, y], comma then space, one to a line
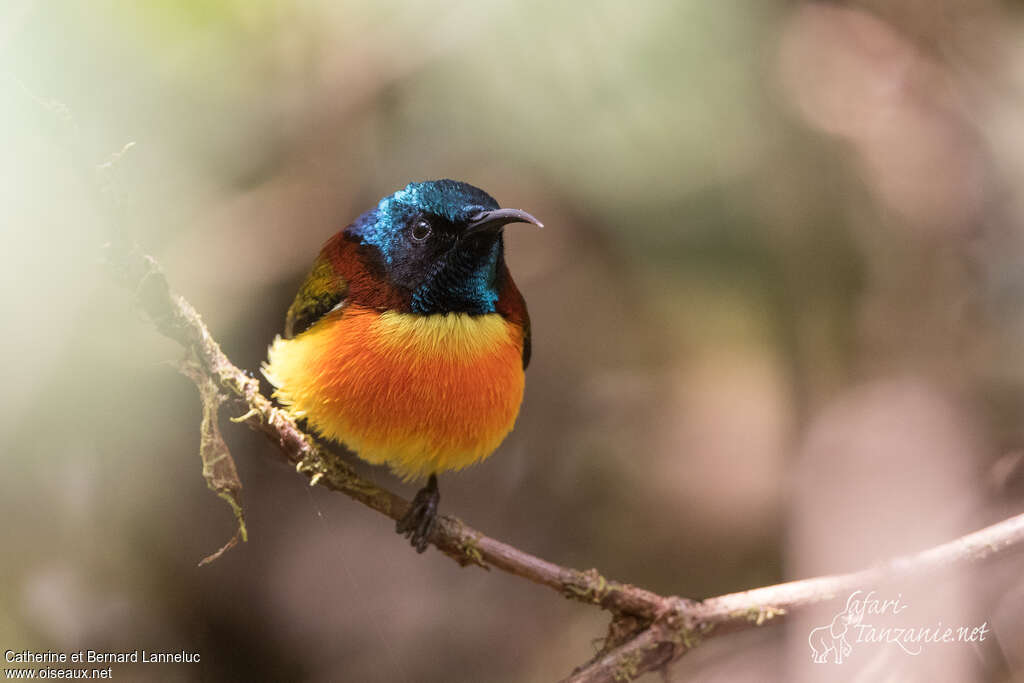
[832, 638]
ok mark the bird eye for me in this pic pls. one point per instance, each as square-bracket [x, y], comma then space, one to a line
[420, 230]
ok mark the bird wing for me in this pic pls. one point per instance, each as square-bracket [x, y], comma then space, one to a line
[527, 346]
[512, 306]
[323, 290]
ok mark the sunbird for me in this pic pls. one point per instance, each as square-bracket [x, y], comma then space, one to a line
[408, 340]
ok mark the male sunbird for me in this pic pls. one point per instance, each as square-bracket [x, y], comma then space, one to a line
[408, 340]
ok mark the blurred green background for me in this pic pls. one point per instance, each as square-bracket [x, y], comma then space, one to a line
[777, 316]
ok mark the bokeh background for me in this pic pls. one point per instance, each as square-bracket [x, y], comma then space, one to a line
[778, 319]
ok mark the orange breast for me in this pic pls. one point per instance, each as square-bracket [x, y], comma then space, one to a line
[420, 393]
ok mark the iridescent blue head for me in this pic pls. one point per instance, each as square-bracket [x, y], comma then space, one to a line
[440, 242]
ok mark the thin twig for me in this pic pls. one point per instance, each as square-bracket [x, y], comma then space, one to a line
[177, 319]
[648, 630]
[680, 629]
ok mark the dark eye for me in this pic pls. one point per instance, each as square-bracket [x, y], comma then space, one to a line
[420, 230]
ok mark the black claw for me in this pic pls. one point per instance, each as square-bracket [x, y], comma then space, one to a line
[418, 523]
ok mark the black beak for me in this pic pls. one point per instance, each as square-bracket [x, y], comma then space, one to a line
[492, 221]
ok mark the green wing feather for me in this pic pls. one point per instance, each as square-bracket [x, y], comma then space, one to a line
[322, 290]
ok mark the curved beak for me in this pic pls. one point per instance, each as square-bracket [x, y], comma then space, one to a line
[492, 221]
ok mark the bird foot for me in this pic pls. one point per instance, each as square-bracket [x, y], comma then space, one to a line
[419, 522]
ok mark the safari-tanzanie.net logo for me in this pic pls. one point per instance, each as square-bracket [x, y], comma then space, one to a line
[868, 618]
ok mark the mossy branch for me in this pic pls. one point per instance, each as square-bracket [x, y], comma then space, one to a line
[648, 630]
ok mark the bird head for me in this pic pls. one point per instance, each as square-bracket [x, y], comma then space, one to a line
[438, 243]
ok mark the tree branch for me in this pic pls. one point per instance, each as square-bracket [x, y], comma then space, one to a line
[683, 627]
[648, 630]
[177, 319]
